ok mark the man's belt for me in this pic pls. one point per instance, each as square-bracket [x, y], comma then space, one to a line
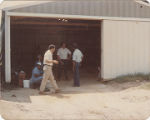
[48, 65]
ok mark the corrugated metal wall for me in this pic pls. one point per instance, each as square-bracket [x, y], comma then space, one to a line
[109, 8]
[125, 48]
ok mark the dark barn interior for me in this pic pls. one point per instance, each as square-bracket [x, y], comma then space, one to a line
[31, 36]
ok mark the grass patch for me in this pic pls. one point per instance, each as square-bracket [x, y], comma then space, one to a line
[132, 77]
[147, 86]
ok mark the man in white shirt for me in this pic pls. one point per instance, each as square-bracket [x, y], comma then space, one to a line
[63, 55]
[48, 73]
[77, 59]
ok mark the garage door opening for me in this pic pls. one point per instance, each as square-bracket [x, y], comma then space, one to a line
[31, 36]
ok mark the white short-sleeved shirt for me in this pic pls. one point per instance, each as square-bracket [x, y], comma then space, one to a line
[48, 56]
[77, 55]
[63, 53]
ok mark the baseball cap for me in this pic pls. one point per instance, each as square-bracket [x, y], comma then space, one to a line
[39, 63]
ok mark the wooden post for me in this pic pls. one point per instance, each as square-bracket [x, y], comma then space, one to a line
[102, 50]
[7, 49]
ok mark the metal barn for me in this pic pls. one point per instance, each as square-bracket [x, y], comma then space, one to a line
[114, 33]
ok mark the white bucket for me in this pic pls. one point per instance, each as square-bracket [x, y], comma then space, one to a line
[26, 83]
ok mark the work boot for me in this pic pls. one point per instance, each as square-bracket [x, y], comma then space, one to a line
[57, 91]
[43, 93]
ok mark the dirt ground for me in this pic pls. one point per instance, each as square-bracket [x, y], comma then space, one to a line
[93, 100]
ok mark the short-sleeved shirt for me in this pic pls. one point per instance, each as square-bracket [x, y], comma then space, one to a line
[38, 72]
[48, 56]
[63, 53]
[77, 55]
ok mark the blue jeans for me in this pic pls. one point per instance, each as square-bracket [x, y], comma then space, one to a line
[63, 69]
[76, 74]
[36, 80]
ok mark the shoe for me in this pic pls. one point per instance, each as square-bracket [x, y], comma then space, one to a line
[57, 91]
[46, 90]
[42, 93]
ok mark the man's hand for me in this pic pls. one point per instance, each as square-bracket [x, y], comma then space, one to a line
[61, 62]
[41, 74]
[69, 57]
[37, 75]
[55, 61]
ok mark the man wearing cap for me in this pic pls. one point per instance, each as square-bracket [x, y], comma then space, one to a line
[37, 75]
[48, 73]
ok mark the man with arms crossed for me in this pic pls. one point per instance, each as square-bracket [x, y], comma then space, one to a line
[63, 55]
[48, 73]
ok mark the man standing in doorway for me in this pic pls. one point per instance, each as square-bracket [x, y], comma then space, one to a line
[63, 55]
[77, 59]
[48, 74]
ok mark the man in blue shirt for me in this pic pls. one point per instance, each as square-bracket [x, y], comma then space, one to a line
[37, 75]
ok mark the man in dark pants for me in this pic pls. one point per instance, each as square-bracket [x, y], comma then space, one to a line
[63, 55]
[77, 59]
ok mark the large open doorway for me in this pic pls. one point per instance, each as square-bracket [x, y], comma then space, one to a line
[31, 36]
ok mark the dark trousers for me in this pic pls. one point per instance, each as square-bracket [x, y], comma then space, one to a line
[76, 74]
[63, 68]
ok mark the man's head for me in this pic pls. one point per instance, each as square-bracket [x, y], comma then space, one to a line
[75, 45]
[52, 48]
[39, 65]
[63, 45]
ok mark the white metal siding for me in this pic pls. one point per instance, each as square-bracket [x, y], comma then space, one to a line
[125, 47]
[107, 8]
